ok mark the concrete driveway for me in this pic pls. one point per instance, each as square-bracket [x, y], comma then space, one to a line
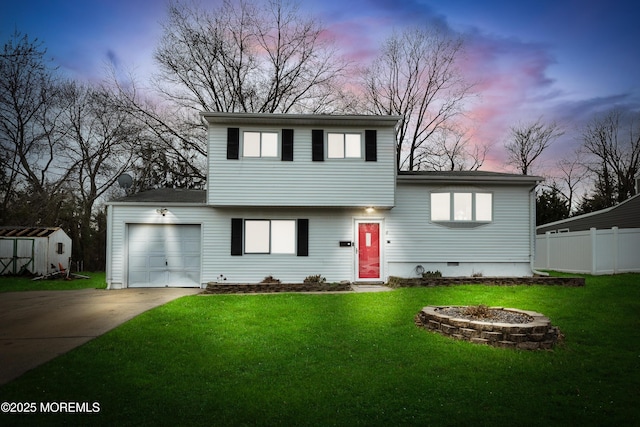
[38, 326]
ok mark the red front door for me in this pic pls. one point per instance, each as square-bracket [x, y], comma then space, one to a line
[369, 250]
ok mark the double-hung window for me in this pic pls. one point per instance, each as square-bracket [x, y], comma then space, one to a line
[260, 144]
[344, 145]
[461, 206]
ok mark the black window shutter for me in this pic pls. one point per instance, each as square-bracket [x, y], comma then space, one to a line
[370, 145]
[317, 145]
[287, 145]
[233, 143]
[236, 236]
[303, 237]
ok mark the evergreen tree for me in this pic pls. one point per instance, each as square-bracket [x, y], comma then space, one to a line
[551, 206]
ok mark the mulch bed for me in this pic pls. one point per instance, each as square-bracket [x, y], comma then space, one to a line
[494, 315]
[401, 282]
[260, 288]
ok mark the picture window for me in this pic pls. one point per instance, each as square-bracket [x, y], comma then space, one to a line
[270, 236]
[462, 206]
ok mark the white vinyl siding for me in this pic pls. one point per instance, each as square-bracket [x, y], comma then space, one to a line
[327, 227]
[350, 182]
[414, 238]
[409, 237]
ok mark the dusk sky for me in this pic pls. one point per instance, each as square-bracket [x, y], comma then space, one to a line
[561, 60]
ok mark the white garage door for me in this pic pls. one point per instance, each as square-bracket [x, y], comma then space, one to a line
[164, 255]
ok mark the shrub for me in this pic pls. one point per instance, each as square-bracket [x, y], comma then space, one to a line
[315, 278]
[270, 279]
[431, 274]
[479, 311]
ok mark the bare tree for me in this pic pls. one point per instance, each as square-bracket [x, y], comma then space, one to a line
[451, 149]
[247, 57]
[174, 151]
[571, 174]
[613, 143]
[244, 56]
[416, 76]
[528, 142]
[29, 115]
[101, 139]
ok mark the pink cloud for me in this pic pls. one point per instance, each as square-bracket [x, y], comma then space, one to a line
[511, 82]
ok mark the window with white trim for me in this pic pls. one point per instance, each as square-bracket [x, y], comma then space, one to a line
[259, 144]
[344, 145]
[265, 236]
[461, 206]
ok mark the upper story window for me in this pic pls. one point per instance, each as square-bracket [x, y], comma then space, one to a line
[462, 206]
[260, 144]
[344, 145]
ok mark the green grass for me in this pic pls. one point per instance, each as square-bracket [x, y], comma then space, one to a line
[13, 284]
[352, 360]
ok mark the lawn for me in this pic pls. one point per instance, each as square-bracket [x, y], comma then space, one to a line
[351, 359]
[23, 283]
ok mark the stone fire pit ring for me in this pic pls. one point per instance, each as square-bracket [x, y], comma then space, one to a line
[536, 334]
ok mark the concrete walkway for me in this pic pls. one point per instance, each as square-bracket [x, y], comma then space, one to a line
[370, 288]
[38, 326]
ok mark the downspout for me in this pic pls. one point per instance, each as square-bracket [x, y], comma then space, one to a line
[109, 243]
[532, 232]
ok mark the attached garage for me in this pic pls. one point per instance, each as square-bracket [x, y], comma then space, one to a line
[163, 255]
[155, 239]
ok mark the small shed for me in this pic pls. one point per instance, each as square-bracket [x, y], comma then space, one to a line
[38, 250]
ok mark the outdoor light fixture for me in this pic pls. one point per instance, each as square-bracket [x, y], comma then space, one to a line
[162, 211]
[370, 210]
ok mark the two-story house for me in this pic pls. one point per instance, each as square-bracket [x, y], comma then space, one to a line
[291, 196]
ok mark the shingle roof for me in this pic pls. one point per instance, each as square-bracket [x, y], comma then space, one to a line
[11, 231]
[453, 177]
[300, 119]
[165, 195]
[625, 214]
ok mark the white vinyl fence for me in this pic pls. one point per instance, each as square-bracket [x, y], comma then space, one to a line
[594, 251]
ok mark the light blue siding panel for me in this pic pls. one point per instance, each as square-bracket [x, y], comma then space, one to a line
[327, 227]
[302, 182]
[408, 236]
[414, 238]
